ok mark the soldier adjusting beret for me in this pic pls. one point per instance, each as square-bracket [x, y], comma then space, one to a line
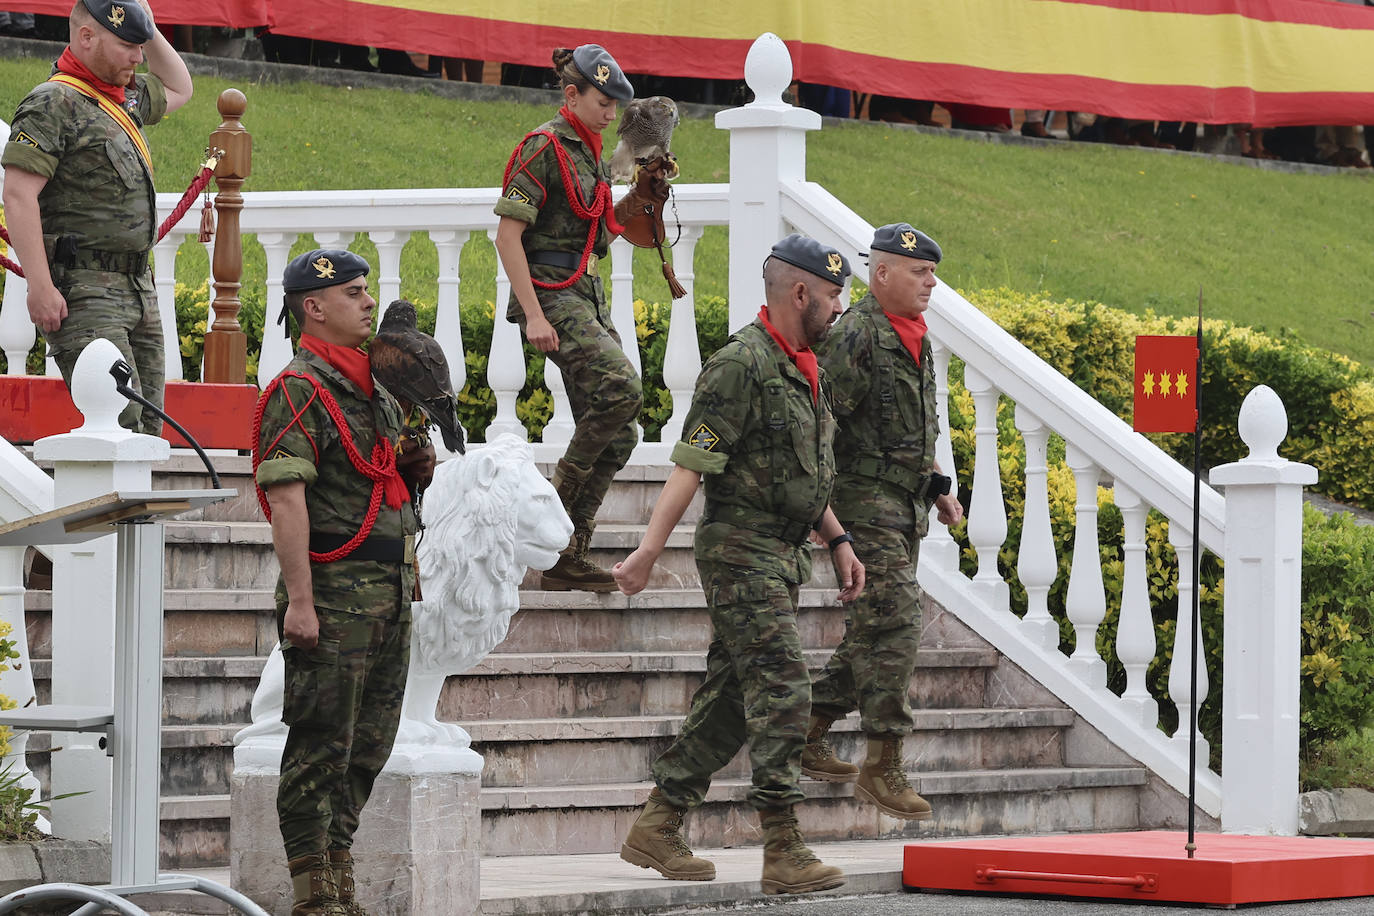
[812, 257]
[903, 239]
[125, 18]
[596, 64]
[320, 268]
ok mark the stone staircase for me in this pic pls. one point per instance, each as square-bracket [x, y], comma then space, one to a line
[586, 690]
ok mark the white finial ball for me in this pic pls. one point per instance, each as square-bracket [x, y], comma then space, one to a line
[1263, 423]
[768, 70]
[93, 388]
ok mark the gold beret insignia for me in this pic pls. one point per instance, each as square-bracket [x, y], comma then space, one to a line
[834, 263]
[603, 73]
[909, 241]
[116, 16]
[324, 268]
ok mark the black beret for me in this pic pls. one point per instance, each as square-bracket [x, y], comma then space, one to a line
[902, 238]
[596, 64]
[125, 18]
[812, 257]
[320, 268]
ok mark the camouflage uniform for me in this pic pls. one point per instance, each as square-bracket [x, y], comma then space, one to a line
[603, 388]
[100, 193]
[885, 409]
[765, 450]
[342, 698]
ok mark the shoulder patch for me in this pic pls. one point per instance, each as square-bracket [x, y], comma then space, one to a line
[25, 139]
[518, 196]
[280, 453]
[703, 438]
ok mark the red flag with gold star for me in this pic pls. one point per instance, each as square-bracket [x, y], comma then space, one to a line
[1165, 384]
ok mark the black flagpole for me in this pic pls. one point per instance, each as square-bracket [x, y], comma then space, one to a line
[1195, 638]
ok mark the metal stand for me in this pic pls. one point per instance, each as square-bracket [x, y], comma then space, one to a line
[132, 726]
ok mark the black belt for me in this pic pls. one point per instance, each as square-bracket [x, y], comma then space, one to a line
[784, 529]
[66, 253]
[921, 486]
[564, 259]
[382, 550]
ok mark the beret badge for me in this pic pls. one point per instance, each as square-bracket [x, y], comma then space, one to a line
[324, 268]
[603, 73]
[909, 241]
[116, 16]
[834, 263]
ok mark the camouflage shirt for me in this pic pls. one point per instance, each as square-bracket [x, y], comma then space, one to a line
[535, 195]
[884, 402]
[765, 449]
[336, 494]
[99, 189]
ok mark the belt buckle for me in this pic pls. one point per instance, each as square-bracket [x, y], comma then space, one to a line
[592, 264]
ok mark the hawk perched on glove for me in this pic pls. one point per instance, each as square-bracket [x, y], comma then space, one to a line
[645, 130]
[411, 365]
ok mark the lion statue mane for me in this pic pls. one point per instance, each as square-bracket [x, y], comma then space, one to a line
[488, 515]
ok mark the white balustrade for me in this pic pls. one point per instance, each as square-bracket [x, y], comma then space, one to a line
[1135, 632]
[682, 356]
[987, 517]
[17, 332]
[1086, 603]
[448, 329]
[506, 362]
[939, 546]
[1036, 563]
[389, 243]
[276, 338]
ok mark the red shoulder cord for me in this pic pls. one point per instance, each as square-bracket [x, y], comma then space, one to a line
[600, 206]
[378, 470]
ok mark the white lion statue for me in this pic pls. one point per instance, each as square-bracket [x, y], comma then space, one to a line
[488, 515]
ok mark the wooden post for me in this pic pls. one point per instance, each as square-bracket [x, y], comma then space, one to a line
[226, 346]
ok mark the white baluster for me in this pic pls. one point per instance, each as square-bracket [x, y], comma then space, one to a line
[389, 244]
[559, 429]
[165, 283]
[987, 523]
[682, 357]
[938, 547]
[1185, 637]
[17, 682]
[506, 362]
[623, 298]
[448, 330]
[17, 332]
[1135, 632]
[1086, 603]
[276, 341]
[1038, 566]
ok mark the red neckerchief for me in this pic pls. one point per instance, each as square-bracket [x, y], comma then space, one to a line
[68, 64]
[584, 132]
[911, 331]
[352, 362]
[803, 359]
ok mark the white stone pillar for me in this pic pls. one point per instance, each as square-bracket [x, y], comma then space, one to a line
[767, 148]
[98, 457]
[1260, 682]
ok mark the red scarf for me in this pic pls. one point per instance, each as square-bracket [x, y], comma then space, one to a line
[803, 359]
[911, 331]
[357, 368]
[69, 65]
[584, 133]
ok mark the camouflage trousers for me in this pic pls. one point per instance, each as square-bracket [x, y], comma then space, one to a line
[757, 689]
[123, 310]
[871, 669]
[342, 705]
[604, 392]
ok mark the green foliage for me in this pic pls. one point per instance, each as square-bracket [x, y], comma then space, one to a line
[8, 653]
[18, 812]
[1343, 762]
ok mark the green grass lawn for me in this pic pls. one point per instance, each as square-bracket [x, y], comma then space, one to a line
[1131, 228]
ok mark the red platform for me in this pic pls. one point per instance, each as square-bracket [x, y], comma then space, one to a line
[1148, 866]
[219, 416]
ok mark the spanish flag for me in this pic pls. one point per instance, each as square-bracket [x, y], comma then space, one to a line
[1261, 62]
[1165, 384]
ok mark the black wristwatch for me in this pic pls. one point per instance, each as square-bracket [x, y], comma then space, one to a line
[843, 538]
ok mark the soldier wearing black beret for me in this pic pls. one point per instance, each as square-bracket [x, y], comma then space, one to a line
[338, 493]
[79, 198]
[759, 431]
[882, 378]
[551, 238]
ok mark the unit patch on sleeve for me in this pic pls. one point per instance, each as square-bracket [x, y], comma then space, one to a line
[518, 196]
[703, 438]
[25, 139]
[281, 453]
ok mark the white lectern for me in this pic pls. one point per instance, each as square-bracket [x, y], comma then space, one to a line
[132, 726]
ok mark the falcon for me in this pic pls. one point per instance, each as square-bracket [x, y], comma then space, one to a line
[411, 365]
[645, 129]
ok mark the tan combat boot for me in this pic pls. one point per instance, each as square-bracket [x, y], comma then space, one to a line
[574, 570]
[883, 782]
[789, 867]
[314, 890]
[341, 861]
[655, 841]
[818, 757]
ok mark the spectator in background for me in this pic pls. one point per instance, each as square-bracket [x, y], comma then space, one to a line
[978, 117]
[18, 25]
[1034, 125]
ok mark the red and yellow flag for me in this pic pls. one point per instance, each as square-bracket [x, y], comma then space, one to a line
[1165, 384]
[1261, 62]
